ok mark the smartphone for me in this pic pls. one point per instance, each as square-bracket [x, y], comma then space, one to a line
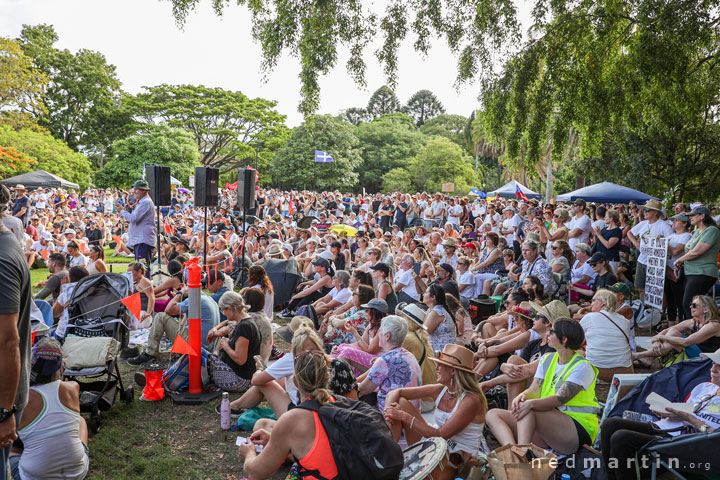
[417, 268]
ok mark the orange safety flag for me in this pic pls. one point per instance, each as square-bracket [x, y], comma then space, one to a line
[290, 207]
[181, 346]
[133, 304]
[169, 229]
[82, 247]
[44, 254]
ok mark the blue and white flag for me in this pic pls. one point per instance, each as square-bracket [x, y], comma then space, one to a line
[143, 177]
[322, 157]
[479, 193]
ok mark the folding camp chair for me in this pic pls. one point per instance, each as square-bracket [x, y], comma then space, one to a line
[685, 454]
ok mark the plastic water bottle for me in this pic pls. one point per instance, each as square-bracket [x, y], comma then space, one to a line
[565, 476]
[225, 411]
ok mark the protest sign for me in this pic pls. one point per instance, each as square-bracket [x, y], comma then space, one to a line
[655, 279]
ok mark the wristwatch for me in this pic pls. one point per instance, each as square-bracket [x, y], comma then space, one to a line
[703, 428]
[5, 413]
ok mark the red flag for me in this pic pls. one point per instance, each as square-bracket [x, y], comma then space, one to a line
[231, 186]
[133, 304]
[181, 346]
[519, 193]
[290, 208]
[168, 228]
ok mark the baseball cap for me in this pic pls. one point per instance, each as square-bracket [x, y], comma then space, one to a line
[376, 304]
[620, 287]
[597, 257]
[47, 236]
[46, 359]
[447, 267]
[382, 267]
[699, 210]
[321, 262]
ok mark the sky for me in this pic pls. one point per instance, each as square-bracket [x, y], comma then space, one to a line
[141, 39]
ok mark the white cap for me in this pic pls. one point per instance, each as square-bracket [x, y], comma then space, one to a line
[714, 356]
[47, 236]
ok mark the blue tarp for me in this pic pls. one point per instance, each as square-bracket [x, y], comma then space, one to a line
[606, 192]
[508, 190]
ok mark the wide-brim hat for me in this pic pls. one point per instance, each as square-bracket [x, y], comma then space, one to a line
[274, 249]
[20, 186]
[552, 311]
[287, 332]
[414, 313]
[654, 205]
[714, 356]
[450, 242]
[524, 310]
[141, 185]
[456, 356]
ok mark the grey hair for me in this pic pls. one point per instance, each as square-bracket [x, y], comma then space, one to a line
[584, 247]
[396, 327]
[344, 277]
[531, 244]
[232, 300]
[607, 298]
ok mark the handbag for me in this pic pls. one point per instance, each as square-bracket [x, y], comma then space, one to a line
[618, 327]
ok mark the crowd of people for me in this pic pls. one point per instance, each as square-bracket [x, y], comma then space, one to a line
[385, 311]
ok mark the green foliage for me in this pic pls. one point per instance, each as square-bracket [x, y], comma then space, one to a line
[294, 165]
[388, 142]
[441, 161]
[22, 84]
[82, 95]
[228, 128]
[422, 106]
[478, 31]
[50, 154]
[355, 115]
[448, 126]
[397, 180]
[160, 145]
[382, 102]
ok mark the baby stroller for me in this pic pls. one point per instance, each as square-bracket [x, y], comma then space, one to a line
[97, 331]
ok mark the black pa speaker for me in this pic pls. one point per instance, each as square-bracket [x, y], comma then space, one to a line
[206, 186]
[158, 178]
[246, 190]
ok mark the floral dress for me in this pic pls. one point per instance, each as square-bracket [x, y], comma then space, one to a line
[445, 332]
[358, 319]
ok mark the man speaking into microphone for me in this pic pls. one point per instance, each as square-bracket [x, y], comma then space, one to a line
[141, 229]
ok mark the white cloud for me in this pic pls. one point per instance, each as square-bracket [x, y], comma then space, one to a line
[141, 39]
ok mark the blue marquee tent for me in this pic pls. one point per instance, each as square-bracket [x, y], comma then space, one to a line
[508, 190]
[607, 192]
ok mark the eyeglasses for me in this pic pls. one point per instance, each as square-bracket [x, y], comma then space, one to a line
[551, 331]
[555, 247]
[704, 401]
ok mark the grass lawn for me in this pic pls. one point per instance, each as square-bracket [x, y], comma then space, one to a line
[110, 258]
[39, 274]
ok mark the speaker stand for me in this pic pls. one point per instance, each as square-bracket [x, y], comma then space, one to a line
[242, 253]
[159, 251]
[205, 237]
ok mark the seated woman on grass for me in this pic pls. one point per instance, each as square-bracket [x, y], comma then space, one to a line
[559, 410]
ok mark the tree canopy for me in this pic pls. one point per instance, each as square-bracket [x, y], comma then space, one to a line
[82, 92]
[159, 145]
[23, 85]
[295, 167]
[47, 153]
[228, 128]
[422, 106]
[382, 102]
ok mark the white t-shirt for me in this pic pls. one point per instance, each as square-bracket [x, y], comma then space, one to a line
[710, 413]
[582, 374]
[79, 261]
[406, 278]
[454, 214]
[467, 278]
[649, 230]
[583, 223]
[342, 296]
[607, 347]
[599, 224]
[511, 224]
[497, 218]
[437, 208]
[576, 273]
[673, 241]
[38, 247]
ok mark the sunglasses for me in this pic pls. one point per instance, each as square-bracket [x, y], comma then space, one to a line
[555, 247]
[593, 264]
[551, 331]
[694, 305]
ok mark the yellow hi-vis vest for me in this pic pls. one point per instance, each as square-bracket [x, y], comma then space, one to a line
[583, 408]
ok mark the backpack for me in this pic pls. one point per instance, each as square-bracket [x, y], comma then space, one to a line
[177, 377]
[361, 442]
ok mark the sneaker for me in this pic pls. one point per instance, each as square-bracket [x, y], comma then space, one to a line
[140, 359]
[275, 353]
[234, 412]
[286, 314]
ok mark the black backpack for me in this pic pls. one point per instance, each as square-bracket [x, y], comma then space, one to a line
[361, 442]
